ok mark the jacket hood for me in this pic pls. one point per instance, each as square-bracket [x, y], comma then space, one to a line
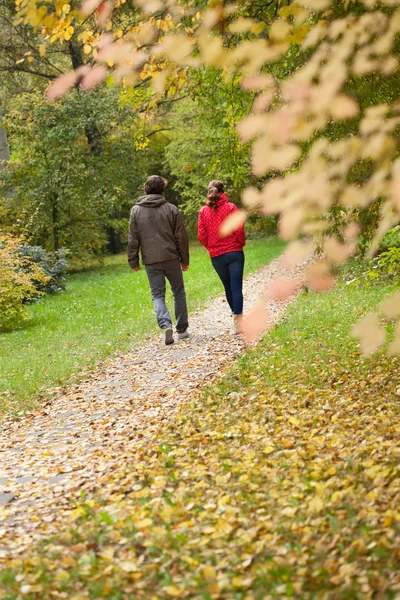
[151, 200]
[222, 200]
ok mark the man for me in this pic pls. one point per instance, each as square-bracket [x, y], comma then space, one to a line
[157, 229]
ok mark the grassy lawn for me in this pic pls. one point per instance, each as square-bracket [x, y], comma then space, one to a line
[102, 312]
[281, 481]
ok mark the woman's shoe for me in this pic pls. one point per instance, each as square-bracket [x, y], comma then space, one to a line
[237, 322]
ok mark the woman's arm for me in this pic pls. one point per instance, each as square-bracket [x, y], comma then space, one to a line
[239, 233]
[202, 232]
[241, 236]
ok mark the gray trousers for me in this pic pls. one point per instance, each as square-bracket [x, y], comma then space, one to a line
[157, 273]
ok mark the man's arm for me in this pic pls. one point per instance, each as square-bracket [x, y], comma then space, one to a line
[133, 243]
[182, 239]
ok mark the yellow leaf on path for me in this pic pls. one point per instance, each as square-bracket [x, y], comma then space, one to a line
[268, 449]
[241, 582]
[128, 566]
[316, 504]
[173, 590]
[77, 513]
[289, 511]
[189, 560]
[372, 496]
[62, 575]
[143, 523]
[287, 443]
[209, 572]
[249, 454]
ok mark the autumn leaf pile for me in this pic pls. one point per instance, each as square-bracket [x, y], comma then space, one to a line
[280, 481]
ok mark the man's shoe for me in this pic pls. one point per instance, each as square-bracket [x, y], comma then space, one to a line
[183, 335]
[168, 336]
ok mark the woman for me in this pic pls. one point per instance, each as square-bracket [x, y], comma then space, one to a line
[226, 253]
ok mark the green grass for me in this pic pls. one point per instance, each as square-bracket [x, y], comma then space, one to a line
[280, 481]
[313, 344]
[102, 312]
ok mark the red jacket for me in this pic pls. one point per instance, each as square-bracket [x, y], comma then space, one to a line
[210, 221]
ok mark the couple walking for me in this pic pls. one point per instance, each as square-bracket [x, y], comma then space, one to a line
[157, 230]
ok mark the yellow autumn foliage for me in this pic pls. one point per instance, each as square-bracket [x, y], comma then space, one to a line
[17, 282]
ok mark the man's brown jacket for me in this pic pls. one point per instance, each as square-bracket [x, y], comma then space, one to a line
[157, 229]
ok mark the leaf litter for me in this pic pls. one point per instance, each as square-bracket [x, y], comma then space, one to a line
[76, 444]
[264, 485]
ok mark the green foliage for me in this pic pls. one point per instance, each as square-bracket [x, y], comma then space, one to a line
[75, 170]
[258, 226]
[392, 238]
[382, 270]
[388, 262]
[204, 144]
[52, 264]
[19, 277]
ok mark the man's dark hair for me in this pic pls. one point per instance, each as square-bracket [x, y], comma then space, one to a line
[155, 185]
[216, 183]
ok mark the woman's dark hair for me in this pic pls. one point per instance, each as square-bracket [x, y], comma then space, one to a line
[155, 185]
[212, 197]
[216, 183]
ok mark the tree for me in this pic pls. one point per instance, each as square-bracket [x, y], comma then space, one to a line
[203, 146]
[64, 194]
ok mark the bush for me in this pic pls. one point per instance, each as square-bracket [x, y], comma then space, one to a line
[384, 267]
[18, 279]
[257, 226]
[53, 264]
[388, 262]
[392, 238]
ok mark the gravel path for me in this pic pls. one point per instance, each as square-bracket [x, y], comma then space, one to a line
[51, 455]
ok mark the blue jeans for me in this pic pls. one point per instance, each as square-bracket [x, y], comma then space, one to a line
[157, 273]
[229, 268]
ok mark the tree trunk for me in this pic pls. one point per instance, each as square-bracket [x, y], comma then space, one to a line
[54, 217]
[4, 155]
[115, 245]
[4, 150]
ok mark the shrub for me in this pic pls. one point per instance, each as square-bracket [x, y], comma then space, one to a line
[392, 238]
[385, 266]
[18, 275]
[388, 262]
[257, 226]
[52, 264]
